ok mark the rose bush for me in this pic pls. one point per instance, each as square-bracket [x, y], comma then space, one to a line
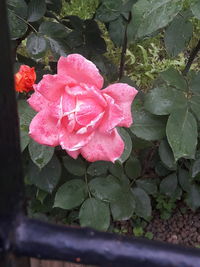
[161, 155]
[24, 79]
[75, 113]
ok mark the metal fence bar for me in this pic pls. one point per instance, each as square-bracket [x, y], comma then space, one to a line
[25, 237]
[11, 178]
[47, 241]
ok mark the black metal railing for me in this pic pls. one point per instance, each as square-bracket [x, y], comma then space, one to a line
[21, 236]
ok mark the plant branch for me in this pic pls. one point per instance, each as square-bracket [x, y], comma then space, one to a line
[124, 47]
[191, 58]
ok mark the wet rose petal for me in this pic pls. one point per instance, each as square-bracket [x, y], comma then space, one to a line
[123, 94]
[75, 113]
[104, 146]
[25, 79]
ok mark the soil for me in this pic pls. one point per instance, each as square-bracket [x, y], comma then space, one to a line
[182, 229]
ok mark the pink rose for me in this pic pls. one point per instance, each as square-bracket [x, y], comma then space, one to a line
[75, 113]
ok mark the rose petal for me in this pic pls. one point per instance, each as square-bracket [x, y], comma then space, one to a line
[75, 90]
[71, 141]
[95, 93]
[91, 126]
[123, 94]
[68, 103]
[87, 109]
[43, 129]
[37, 101]
[80, 69]
[25, 79]
[73, 154]
[103, 146]
[112, 117]
[52, 86]
[68, 122]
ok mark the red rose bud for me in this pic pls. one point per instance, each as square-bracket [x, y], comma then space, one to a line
[24, 79]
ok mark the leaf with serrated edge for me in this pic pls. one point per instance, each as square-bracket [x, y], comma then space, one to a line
[94, 213]
[182, 133]
[71, 194]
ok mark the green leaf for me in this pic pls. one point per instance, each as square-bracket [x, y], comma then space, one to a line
[19, 7]
[182, 133]
[166, 155]
[150, 16]
[94, 213]
[128, 145]
[98, 168]
[148, 185]
[116, 169]
[71, 194]
[195, 105]
[54, 5]
[17, 13]
[25, 116]
[147, 126]
[53, 29]
[36, 10]
[193, 197]
[194, 101]
[184, 180]
[73, 22]
[133, 168]
[195, 7]
[177, 193]
[176, 41]
[75, 166]
[194, 83]
[93, 40]
[106, 189]
[75, 39]
[169, 184]
[107, 68]
[46, 178]
[123, 208]
[17, 26]
[161, 170]
[24, 139]
[172, 77]
[143, 203]
[56, 34]
[26, 113]
[36, 45]
[41, 195]
[40, 154]
[195, 168]
[163, 100]
[109, 10]
[140, 143]
[116, 31]
[123, 180]
[138, 231]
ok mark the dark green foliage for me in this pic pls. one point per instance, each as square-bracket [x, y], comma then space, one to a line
[160, 163]
[176, 41]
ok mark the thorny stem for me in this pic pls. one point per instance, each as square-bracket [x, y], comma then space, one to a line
[191, 58]
[124, 47]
